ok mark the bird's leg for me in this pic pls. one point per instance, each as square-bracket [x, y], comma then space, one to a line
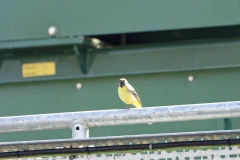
[131, 106]
[127, 106]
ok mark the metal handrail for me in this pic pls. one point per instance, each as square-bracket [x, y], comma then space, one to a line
[81, 121]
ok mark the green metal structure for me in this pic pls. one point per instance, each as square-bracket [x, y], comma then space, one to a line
[155, 44]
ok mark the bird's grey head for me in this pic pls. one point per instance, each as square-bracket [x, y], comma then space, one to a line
[123, 82]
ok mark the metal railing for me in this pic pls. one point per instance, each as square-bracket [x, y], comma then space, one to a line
[80, 122]
[127, 144]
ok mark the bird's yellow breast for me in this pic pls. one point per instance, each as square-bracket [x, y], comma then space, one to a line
[127, 97]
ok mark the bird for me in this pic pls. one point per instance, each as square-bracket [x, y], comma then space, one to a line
[128, 94]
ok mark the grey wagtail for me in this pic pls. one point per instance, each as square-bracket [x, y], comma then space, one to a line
[127, 94]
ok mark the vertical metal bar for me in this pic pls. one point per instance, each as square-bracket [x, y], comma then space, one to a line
[228, 124]
[123, 39]
[221, 124]
[224, 124]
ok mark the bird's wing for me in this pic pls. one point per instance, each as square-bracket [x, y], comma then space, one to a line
[132, 90]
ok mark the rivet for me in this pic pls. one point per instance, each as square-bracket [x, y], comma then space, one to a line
[190, 78]
[52, 31]
[79, 85]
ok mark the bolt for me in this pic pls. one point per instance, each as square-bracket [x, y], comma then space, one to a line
[98, 46]
[52, 31]
[79, 85]
[190, 78]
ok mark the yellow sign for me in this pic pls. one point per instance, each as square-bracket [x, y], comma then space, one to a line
[38, 69]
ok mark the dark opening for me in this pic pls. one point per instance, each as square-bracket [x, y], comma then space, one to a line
[77, 128]
[164, 36]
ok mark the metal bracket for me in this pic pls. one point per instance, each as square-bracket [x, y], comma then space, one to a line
[82, 52]
[81, 55]
[80, 130]
[150, 146]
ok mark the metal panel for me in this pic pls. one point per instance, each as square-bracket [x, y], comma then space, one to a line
[26, 23]
[153, 89]
[28, 19]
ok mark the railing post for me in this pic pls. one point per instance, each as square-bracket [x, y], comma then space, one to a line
[80, 130]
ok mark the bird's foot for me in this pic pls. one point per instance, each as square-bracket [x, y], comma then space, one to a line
[127, 107]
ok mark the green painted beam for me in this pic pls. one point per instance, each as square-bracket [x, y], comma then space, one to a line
[26, 19]
[129, 60]
[33, 43]
[51, 42]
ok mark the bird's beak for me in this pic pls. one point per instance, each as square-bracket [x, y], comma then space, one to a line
[121, 81]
